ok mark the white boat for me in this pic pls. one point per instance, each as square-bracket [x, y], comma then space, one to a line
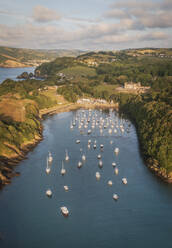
[110, 130]
[124, 180]
[79, 164]
[116, 150]
[99, 156]
[66, 188]
[83, 157]
[94, 146]
[98, 175]
[49, 193]
[67, 156]
[77, 141]
[64, 211]
[89, 146]
[89, 141]
[113, 164]
[100, 163]
[115, 197]
[63, 171]
[89, 131]
[71, 126]
[101, 146]
[116, 171]
[50, 157]
[48, 169]
[110, 183]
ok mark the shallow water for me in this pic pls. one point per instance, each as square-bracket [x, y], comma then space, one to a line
[142, 216]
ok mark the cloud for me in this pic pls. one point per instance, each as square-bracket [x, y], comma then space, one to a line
[128, 23]
[117, 13]
[154, 36]
[158, 20]
[42, 14]
[91, 37]
[145, 14]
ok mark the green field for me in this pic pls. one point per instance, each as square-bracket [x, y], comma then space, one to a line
[109, 88]
[79, 71]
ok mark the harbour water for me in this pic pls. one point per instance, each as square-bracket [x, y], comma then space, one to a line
[12, 73]
[141, 217]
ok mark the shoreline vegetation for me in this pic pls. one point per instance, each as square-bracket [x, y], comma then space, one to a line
[146, 101]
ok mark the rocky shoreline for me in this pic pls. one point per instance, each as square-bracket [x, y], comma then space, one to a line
[9, 163]
[159, 171]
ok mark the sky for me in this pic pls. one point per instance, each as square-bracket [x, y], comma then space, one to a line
[86, 24]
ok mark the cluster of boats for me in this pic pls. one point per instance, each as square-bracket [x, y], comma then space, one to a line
[89, 122]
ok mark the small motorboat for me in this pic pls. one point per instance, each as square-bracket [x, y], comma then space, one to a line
[83, 157]
[116, 151]
[110, 183]
[94, 146]
[101, 146]
[77, 141]
[124, 180]
[110, 131]
[113, 164]
[64, 211]
[49, 193]
[98, 175]
[67, 156]
[66, 188]
[99, 156]
[89, 131]
[48, 169]
[100, 163]
[63, 171]
[79, 164]
[115, 197]
[71, 125]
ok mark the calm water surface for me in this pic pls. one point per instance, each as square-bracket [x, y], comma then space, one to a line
[142, 217]
[12, 73]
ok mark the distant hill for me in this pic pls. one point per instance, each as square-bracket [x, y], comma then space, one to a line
[21, 57]
[155, 52]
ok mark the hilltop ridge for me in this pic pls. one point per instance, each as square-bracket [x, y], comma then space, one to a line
[22, 57]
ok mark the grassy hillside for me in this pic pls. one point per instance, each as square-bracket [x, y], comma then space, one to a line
[20, 57]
